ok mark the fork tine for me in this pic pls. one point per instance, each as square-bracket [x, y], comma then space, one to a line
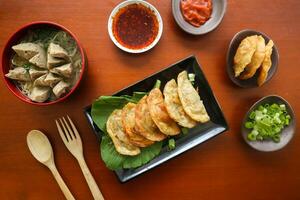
[61, 133]
[74, 128]
[67, 134]
[69, 129]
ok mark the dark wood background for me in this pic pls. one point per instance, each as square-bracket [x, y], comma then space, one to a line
[222, 168]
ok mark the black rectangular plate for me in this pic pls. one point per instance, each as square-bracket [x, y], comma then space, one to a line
[196, 135]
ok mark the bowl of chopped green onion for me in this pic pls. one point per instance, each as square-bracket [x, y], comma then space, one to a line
[269, 124]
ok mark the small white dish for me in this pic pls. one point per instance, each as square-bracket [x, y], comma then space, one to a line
[122, 5]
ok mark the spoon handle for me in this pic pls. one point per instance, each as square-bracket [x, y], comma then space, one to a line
[61, 183]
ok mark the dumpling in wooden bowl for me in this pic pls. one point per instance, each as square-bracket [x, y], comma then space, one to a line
[159, 113]
[128, 120]
[116, 132]
[190, 99]
[174, 106]
[144, 123]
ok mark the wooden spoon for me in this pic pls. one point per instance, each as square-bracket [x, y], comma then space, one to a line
[41, 149]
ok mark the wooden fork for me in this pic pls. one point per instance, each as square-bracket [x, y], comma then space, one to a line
[72, 140]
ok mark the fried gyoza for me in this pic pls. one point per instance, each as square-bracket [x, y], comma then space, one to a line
[257, 59]
[190, 99]
[144, 124]
[244, 54]
[115, 130]
[159, 113]
[174, 106]
[128, 120]
[266, 65]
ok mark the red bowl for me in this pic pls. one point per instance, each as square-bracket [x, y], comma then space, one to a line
[7, 53]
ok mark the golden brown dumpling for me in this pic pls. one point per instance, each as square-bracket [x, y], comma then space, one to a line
[190, 99]
[266, 65]
[244, 54]
[174, 106]
[144, 124]
[115, 130]
[128, 120]
[257, 59]
[159, 113]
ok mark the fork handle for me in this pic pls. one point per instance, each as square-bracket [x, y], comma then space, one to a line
[90, 180]
[61, 183]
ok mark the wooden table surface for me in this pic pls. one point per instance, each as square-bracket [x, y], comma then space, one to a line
[222, 168]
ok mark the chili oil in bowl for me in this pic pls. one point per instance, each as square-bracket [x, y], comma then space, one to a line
[135, 26]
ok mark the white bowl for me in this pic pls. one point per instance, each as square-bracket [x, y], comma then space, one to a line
[126, 3]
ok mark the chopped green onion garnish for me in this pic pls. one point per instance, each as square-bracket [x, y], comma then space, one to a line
[157, 84]
[282, 106]
[27, 66]
[184, 131]
[191, 77]
[252, 115]
[249, 125]
[251, 137]
[171, 144]
[267, 122]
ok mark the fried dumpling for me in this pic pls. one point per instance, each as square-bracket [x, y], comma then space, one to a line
[39, 94]
[144, 124]
[57, 51]
[257, 59]
[27, 50]
[266, 65]
[128, 120]
[116, 132]
[159, 114]
[190, 99]
[174, 106]
[244, 54]
[60, 88]
[35, 73]
[18, 73]
[64, 70]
